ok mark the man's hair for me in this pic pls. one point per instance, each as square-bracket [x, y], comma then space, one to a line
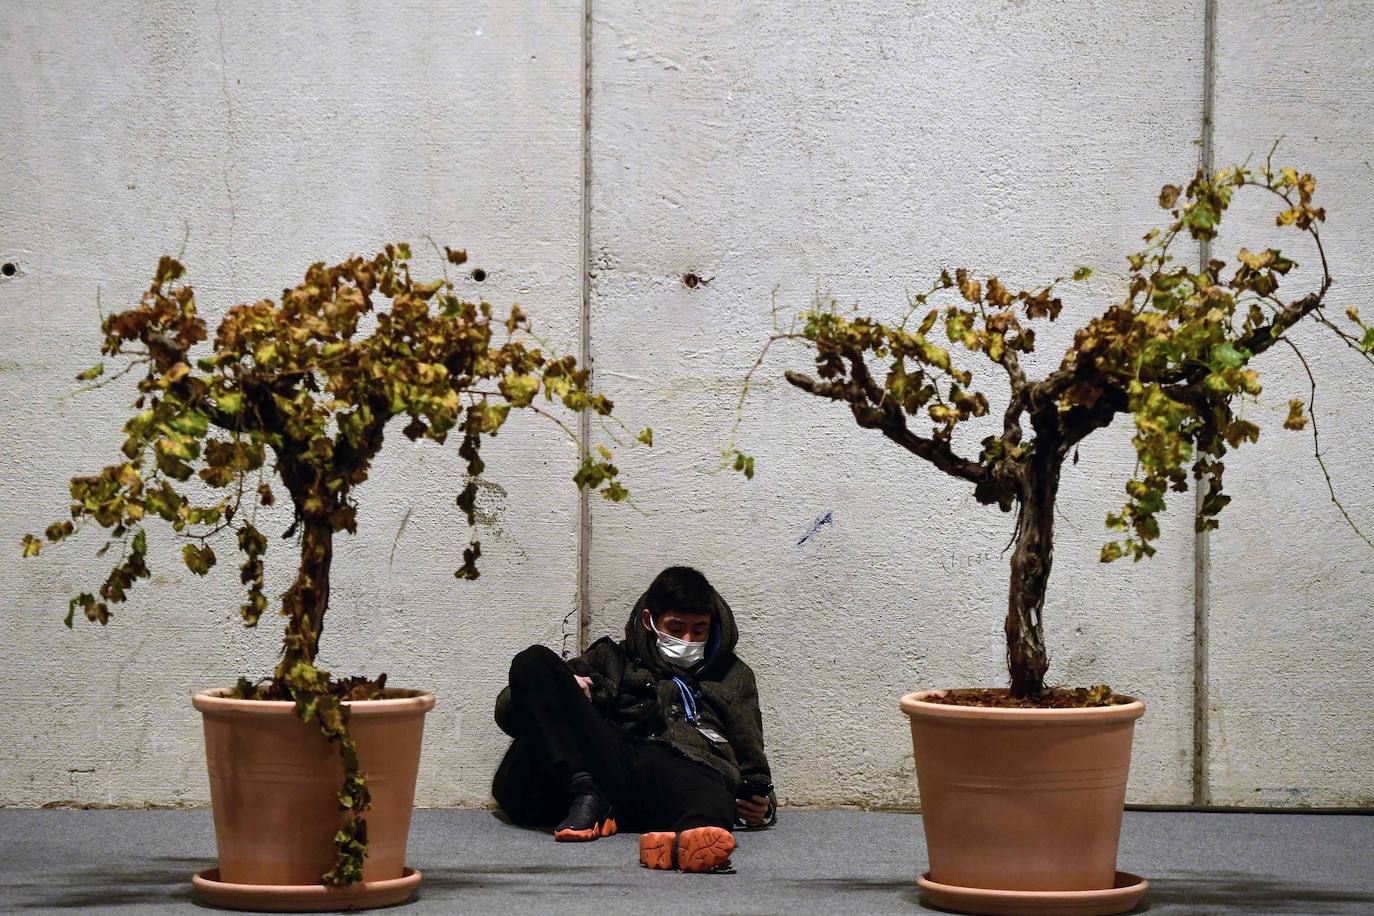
[682, 589]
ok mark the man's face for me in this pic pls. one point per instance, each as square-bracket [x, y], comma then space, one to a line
[691, 627]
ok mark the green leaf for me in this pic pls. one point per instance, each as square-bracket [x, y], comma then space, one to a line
[231, 402]
[1227, 354]
[1083, 273]
[94, 372]
[32, 545]
[494, 415]
[519, 387]
[742, 462]
[928, 322]
[191, 423]
[198, 559]
[58, 530]
[646, 436]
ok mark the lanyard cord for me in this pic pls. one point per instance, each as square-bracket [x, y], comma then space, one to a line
[689, 703]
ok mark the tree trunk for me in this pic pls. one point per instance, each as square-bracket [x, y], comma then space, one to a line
[1030, 573]
[308, 598]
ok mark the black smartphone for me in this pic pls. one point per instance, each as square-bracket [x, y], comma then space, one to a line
[751, 787]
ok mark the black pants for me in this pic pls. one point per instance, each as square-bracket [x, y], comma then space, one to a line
[560, 733]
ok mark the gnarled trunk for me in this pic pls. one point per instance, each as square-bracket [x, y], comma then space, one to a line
[308, 598]
[1030, 573]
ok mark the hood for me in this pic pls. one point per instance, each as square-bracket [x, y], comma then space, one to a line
[720, 645]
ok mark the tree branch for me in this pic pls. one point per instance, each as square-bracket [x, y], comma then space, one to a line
[893, 425]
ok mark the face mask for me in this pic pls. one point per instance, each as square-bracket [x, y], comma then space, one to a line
[679, 652]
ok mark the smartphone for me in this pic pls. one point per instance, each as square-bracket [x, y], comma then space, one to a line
[751, 787]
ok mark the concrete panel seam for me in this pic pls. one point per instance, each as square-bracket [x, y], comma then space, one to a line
[1201, 540]
[584, 421]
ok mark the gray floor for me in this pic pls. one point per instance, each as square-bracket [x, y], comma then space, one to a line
[135, 862]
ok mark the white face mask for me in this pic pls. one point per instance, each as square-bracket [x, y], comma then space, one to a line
[680, 652]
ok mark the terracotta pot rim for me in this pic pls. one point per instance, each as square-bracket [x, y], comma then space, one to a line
[1126, 889]
[914, 705]
[304, 898]
[395, 701]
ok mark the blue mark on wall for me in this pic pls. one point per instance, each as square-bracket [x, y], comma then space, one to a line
[826, 519]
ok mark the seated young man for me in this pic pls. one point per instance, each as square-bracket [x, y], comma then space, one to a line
[659, 733]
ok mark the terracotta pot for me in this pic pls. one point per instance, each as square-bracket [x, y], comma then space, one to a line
[1022, 799]
[274, 783]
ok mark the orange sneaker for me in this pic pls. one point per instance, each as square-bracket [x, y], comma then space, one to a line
[701, 849]
[589, 818]
[596, 831]
[656, 849]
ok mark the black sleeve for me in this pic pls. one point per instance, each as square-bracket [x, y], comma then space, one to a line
[744, 731]
[744, 728]
[637, 708]
[601, 663]
[604, 663]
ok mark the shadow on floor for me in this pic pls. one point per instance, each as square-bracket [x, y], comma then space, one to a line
[1241, 892]
[904, 887]
[160, 880]
[499, 815]
[167, 880]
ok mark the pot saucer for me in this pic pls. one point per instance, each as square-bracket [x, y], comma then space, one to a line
[303, 898]
[1119, 899]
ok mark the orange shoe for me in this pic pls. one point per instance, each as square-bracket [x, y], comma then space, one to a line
[604, 827]
[701, 849]
[589, 818]
[656, 849]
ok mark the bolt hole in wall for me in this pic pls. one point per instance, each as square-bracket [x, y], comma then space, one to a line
[9, 269]
[478, 274]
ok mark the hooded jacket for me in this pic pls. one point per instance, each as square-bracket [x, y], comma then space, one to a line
[634, 688]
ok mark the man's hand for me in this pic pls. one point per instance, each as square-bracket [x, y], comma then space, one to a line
[586, 684]
[752, 811]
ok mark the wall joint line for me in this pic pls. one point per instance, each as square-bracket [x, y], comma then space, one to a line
[584, 420]
[1201, 784]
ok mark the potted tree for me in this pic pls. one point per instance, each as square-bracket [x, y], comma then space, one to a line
[1022, 789]
[305, 389]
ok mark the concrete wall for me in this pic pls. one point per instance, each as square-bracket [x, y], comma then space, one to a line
[774, 150]
[1292, 586]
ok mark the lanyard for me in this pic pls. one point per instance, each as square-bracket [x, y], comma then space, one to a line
[689, 703]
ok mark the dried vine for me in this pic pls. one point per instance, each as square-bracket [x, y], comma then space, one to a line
[1175, 354]
[300, 385]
